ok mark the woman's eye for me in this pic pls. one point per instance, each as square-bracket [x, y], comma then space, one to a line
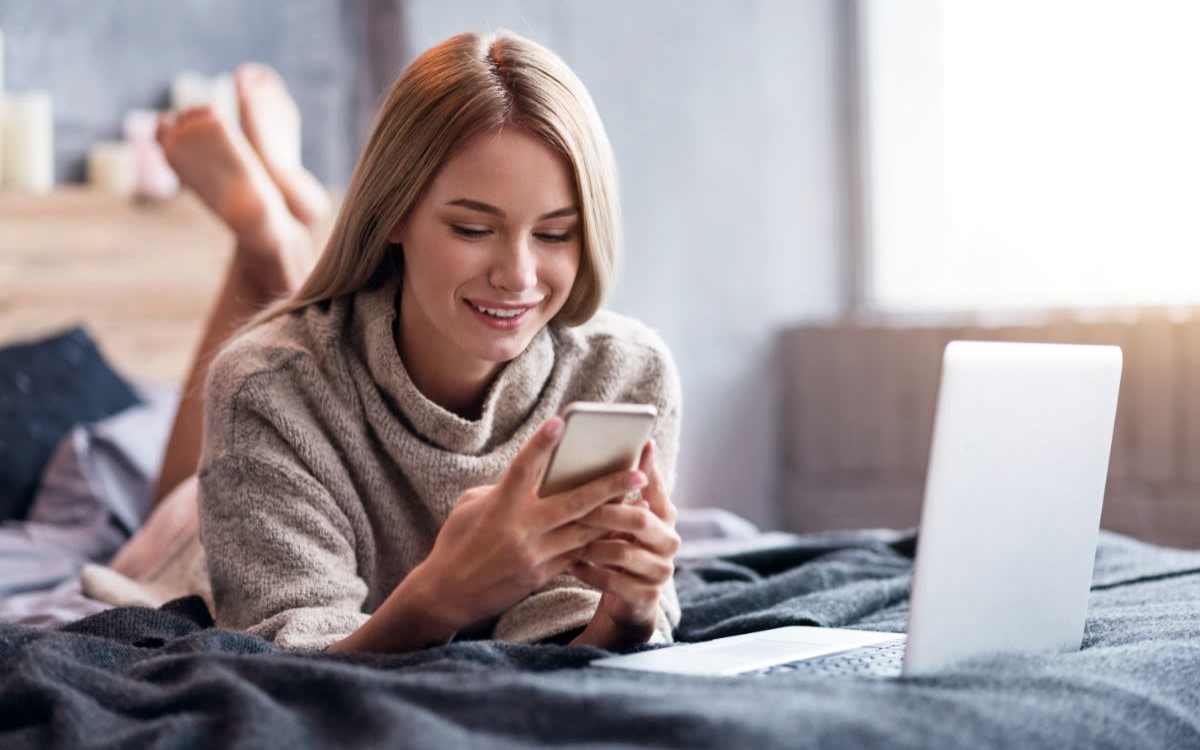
[554, 237]
[467, 232]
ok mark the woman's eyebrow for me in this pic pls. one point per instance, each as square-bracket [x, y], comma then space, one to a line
[489, 209]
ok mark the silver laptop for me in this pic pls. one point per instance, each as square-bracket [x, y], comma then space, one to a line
[1009, 525]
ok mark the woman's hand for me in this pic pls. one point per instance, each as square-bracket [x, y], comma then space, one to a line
[632, 563]
[502, 542]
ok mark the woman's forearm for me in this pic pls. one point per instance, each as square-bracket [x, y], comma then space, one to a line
[408, 620]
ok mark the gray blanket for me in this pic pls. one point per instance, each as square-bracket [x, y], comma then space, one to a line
[141, 678]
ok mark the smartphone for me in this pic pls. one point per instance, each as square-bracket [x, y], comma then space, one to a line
[597, 439]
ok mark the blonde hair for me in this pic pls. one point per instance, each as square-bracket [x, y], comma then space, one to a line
[467, 85]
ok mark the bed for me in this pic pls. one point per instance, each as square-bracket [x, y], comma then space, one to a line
[135, 677]
[141, 677]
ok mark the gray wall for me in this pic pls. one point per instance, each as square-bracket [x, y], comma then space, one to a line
[101, 59]
[725, 118]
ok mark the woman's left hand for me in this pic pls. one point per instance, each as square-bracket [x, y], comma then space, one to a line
[632, 564]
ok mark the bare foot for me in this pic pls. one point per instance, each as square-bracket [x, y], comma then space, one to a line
[272, 124]
[176, 517]
[214, 160]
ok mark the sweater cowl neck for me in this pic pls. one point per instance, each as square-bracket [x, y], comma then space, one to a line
[510, 399]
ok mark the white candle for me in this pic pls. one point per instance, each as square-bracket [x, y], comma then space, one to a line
[112, 168]
[190, 90]
[194, 90]
[29, 142]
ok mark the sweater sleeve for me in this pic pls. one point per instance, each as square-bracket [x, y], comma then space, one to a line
[280, 553]
[567, 603]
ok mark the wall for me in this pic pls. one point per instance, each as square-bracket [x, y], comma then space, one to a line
[725, 122]
[100, 60]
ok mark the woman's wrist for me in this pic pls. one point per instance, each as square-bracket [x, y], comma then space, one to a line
[417, 604]
[409, 619]
[602, 632]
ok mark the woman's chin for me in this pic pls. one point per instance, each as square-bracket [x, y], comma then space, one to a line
[500, 346]
[499, 349]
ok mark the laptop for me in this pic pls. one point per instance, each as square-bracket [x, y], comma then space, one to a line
[1009, 525]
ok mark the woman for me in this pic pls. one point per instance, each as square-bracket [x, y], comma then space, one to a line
[373, 443]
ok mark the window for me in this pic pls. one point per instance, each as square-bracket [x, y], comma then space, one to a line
[1030, 154]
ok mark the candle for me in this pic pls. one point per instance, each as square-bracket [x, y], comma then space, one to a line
[111, 167]
[29, 142]
[194, 90]
[190, 90]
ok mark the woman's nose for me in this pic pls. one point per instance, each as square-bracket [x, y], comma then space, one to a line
[516, 270]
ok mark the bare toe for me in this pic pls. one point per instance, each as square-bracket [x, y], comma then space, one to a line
[269, 115]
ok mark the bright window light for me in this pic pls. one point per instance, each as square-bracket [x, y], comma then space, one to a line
[1031, 154]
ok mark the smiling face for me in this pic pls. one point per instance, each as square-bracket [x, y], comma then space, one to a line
[499, 228]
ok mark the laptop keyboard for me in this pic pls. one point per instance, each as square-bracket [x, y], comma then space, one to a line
[883, 660]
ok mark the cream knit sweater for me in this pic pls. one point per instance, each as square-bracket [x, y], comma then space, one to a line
[326, 474]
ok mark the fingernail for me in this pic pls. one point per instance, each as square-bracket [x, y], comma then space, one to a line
[554, 426]
[635, 480]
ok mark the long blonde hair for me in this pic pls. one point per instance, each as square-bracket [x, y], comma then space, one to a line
[468, 84]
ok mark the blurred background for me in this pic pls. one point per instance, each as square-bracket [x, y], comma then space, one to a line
[817, 196]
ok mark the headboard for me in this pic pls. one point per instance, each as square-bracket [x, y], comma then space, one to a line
[859, 409]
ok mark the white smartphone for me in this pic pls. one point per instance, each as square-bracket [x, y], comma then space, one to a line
[597, 439]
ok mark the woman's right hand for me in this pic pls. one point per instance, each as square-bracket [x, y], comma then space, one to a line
[502, 542]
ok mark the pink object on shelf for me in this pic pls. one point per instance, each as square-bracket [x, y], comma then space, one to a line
[140, 125]
[155, 178]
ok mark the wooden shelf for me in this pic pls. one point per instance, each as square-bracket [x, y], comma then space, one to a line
[140, 276]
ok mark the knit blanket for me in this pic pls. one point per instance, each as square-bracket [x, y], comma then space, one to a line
[139, 677]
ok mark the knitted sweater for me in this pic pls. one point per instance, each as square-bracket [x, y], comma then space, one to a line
[326, 474]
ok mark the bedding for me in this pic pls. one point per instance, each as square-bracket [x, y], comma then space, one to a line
[94, 492]
[136, 677]
[46, 387]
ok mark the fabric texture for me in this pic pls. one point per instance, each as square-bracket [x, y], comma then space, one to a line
[47, 387]
[136, 678]
[327, 474]
[163, 561]
[93, 494]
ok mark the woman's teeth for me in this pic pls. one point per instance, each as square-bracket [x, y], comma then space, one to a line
[497, 313]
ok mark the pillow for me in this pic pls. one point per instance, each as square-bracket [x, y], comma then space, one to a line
[46, 387]
[112, 464]
[93, 494]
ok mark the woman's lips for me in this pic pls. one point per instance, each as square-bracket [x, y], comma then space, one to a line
[500, 324]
